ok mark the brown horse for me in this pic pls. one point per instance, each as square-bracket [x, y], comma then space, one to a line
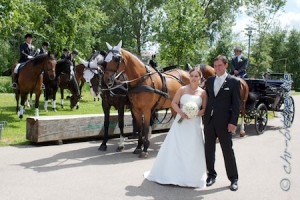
[149, 89]
[30, 80]
[79, 69]
[208, 71]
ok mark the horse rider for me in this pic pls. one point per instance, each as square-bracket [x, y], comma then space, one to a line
[26, 53]
[72, 57]
[153, 62]
[239, 63]
[44, 48]
[65, 53]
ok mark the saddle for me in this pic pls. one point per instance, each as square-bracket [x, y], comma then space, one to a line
[19, 66]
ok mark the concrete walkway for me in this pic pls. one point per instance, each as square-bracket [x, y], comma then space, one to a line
[79, 171]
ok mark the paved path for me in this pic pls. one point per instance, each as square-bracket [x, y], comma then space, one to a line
[78, 171]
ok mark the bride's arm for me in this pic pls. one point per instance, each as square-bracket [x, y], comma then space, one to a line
[204, 102]
[176, 101]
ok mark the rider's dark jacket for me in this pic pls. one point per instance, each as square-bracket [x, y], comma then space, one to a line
[25, 51]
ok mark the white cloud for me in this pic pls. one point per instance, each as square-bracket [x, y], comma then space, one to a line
[289, 18]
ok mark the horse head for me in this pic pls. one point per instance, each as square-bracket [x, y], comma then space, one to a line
[93, 71]
[114, 65]
[48, 61]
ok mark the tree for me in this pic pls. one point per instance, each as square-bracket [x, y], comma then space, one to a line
[293, 59]
[129, 21]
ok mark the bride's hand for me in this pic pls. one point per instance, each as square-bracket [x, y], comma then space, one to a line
[183, 115]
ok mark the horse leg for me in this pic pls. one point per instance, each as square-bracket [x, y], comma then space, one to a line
[146, 142]
[242, 129]
[121, 145]
[106, 109]
[17, 95]
[46, 95]
[54, 99]
[243, 113]
[139, 123]
[62, 98]
[23, 99]
[135, 131]
[37, 101]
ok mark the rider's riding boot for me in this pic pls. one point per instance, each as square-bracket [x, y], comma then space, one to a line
[15, 81]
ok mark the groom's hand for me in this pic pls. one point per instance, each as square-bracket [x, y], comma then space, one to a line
[231, 128]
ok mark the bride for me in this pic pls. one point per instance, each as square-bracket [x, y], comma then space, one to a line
[181, 158]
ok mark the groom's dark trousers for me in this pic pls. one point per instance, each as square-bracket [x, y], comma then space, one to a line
[221, 110]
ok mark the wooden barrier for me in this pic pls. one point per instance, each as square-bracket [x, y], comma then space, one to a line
[59, 128]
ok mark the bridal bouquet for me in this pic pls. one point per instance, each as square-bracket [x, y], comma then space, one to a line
[191, 109]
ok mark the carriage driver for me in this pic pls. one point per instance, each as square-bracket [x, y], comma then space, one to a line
[239, 63]
[26, 52]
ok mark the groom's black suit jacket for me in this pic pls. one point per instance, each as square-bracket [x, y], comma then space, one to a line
[225, 107]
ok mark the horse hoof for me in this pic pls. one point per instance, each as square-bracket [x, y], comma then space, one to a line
[137, 151]
[242, 134]
[143, 155]
[102, 148]
[77, 107]
[21, 117]
[54, 110]
[120, 149]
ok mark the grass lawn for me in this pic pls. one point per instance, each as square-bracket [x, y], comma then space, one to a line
[15, 130]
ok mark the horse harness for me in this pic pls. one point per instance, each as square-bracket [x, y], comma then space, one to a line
[140, 87]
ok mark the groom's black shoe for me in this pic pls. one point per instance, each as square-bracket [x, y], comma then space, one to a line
[234, 186]
[210, 180]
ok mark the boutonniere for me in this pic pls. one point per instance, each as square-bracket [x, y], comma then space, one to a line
[240, 60]
[224, 83]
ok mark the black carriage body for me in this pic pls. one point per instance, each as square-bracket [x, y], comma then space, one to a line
[265, 95]
[267, 90]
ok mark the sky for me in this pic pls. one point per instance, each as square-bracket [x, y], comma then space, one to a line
[288, 18]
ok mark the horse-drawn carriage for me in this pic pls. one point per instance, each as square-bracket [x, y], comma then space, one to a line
[271, 93]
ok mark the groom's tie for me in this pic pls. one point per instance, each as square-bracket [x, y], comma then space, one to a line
[217, 85]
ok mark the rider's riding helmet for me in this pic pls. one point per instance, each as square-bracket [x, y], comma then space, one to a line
[46, 44]
[75, 52]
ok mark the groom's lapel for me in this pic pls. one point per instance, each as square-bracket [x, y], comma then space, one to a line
[213, 86]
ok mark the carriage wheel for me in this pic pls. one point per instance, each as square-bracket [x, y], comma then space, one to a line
[261, 118]
[289, 103]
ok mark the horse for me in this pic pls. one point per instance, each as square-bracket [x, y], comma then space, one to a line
[208, 71]
[79, 70]
[64, 74]
[68, 81]
[149, 90]
[117, 97]
[30, 80]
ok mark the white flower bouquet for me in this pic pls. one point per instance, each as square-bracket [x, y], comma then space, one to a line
[191, 109]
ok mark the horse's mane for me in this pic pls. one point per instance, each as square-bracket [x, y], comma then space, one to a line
[41, 58]
[136, 56]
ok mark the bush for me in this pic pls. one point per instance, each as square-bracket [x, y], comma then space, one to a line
[5, 84]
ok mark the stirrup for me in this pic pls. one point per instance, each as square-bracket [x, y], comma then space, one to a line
[43, 86]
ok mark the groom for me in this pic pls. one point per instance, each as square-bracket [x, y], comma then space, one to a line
[220, 120]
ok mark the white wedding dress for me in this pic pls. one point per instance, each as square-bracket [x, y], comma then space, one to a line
[181, 158]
